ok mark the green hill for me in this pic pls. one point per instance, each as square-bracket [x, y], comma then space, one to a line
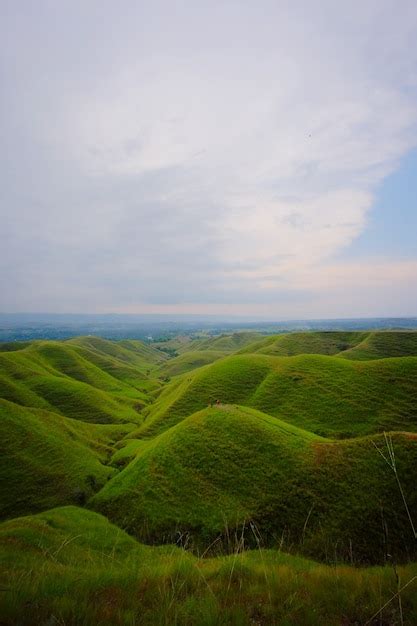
[220, 343]
[292, 344]
[130, 361]
[71, 566]
[226, 466]
[256, 446]
[74, 382]
[225, 343]
[47, 459]
[202, 351]
[379, 345]
[130, 351]
[361, 345]
[189, 361]
[13, 346]
[327, 395]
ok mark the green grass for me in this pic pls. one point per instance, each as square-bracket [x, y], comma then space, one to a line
[379, 345]
[12, 346]
[361, 345]
[130, 351]
[226, 465]
[73, 381]
[327, 395]
[291, 459]
[221, 343]
[292, 344]
[126, 450]
[189, 361]
[47, 459]
[71, 566]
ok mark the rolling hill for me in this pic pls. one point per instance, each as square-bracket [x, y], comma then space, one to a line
[47, 459]
[225, 343]
[76, 381]
[327, 395]
[189, 361]
[133, 352]
[362, 345]
[380, 345]
[293, 344]
[228, 465]
[251, 454]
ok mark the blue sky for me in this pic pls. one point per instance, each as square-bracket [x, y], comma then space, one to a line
[392, 222]
[209, 157]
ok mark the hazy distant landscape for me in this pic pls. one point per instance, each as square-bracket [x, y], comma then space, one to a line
[211, 478]
[150, 328]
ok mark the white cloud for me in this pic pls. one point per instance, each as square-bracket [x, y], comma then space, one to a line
[246, 143]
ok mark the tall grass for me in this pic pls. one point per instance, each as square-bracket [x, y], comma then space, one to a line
[70, 566]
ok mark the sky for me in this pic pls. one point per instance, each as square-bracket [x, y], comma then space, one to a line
[222, 157]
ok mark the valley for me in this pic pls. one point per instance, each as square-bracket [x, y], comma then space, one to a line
[234, 479]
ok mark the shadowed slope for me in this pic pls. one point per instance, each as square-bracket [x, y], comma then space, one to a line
[48, 459]
[225, 466]
[326, 395]
[73, 553]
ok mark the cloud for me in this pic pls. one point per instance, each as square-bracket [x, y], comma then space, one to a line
[191, 156]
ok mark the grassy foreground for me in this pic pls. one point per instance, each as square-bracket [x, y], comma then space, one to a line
[71, 566]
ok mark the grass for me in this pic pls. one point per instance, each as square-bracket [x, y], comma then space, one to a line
[227, 464]
[130, 351]
[363, 345]
[292, 344]
[48, 459]
[126, 450]
[74, 381]
[52, 558]
[379, 345]
[189, 361]
[327, 395]
[310, 453]
[223, 343]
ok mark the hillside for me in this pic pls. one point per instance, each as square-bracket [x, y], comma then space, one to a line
[363, 345]
[74, 381]
[227, 465]
[293, 344]
[203, 351]
[47, 459]
[133, 352]
[225, 343]
[188, 361]
[73, 553]
[327, 395]
[235, 462]
[379, 345]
